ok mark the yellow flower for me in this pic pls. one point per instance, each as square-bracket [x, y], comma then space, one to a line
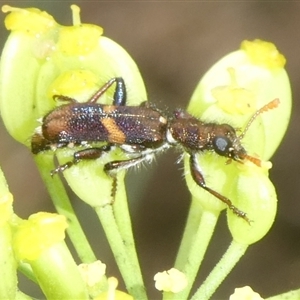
[52, 59]
[239, 84]
[40, 54]
[231, 92]
[37, 234]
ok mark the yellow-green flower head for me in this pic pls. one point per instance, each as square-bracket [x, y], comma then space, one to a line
[231, 92]
[52, 59]
[241, 83]
[41, 55]
[40, 232]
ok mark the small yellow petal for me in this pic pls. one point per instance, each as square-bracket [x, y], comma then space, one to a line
[79, 40]
[31, 21]
[39, 232]
[264, 54]
[234, 99]
[74, 83]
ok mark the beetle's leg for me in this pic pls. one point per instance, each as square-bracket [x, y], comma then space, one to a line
[119, 95]
[112, 167]
[199, 179]
[86, 154]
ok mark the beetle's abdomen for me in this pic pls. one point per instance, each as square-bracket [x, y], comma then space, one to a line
[95, 122]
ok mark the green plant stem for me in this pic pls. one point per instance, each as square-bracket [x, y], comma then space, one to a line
[129, 269]
[58, 274]
[198, 232]
[63, 206]
[123, 221]
[233, 254]
[26, 269]
[191, 227]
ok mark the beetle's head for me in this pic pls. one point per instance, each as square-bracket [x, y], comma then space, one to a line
[226, 143]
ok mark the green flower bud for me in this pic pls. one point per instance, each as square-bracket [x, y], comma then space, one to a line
[40, 53]
[74, 61]
[39, 241]
[231, 92]
[255, 194]
[241, 83]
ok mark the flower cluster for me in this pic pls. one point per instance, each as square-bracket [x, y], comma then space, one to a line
[42, 58]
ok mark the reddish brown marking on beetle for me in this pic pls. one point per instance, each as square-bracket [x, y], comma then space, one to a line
[115, 135]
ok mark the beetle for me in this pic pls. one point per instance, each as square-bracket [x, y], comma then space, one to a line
[140, 132]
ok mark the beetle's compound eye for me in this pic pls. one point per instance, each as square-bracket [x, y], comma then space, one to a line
[222, 145]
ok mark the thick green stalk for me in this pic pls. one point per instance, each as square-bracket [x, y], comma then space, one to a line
[63, 206]
[129, 269]
[194, 244]
[231, 257]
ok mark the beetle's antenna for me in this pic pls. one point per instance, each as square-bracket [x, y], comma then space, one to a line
[254, 160]
[274, 103]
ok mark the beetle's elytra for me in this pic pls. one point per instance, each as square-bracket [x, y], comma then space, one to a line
[140, 131]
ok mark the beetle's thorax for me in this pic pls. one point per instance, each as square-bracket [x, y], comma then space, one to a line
[194, 135]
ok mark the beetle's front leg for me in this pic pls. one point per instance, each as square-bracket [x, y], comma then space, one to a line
[86, 154]
[120, 96]
[199, 179]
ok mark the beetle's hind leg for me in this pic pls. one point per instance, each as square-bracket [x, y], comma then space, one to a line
[85, 154]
